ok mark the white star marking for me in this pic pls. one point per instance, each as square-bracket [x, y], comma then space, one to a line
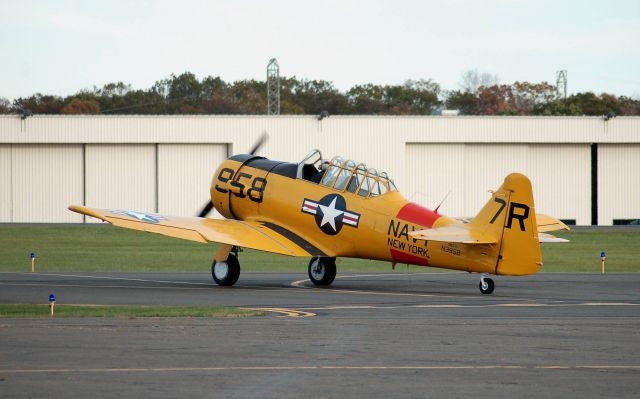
[137, 215]
[330, 213]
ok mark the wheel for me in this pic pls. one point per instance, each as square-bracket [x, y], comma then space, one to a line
[322, 271]
[226, 273]
[486, 285]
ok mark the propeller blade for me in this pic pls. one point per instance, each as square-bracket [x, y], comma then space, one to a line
[205, 211]
[263, 138]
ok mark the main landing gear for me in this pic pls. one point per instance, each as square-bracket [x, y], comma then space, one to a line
[322, 271]
[227, 272]
[486, 284]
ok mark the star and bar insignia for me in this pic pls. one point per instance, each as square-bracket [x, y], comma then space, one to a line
[145, 217]
[331, 213]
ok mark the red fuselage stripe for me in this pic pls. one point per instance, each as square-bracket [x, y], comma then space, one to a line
[402, 257]
[418, 215]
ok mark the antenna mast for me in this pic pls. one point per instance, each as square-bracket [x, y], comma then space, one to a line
[561, 83]
[273, 87]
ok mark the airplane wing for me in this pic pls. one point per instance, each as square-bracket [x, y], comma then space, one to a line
[263, 236]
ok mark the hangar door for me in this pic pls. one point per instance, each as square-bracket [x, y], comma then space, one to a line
[618, 183]
[121, 176]
[560, 175]
[38, 183]
[184, 176]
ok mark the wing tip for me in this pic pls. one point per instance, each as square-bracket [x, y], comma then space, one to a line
[86, 211]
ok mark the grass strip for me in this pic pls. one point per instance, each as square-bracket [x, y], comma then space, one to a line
[36, 310]
[104, 248]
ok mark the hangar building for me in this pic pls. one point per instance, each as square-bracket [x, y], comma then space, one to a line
[584, 170]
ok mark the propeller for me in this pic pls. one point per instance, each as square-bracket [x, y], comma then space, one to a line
[205, 211]
[261, 140]
[258, 144]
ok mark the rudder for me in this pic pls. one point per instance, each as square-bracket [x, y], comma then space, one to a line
[510, 217]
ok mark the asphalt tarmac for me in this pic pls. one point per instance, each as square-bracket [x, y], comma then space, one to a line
[374, 335]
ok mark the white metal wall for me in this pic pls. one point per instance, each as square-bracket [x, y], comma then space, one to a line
[618, 182]
[184, 176]
[433, 172]
[121, 176]
[486, 166]
[134, 161]
[43, 181]
[560, 175]
[561, 179]
[6, 184]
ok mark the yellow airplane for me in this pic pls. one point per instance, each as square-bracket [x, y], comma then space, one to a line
[344, 209]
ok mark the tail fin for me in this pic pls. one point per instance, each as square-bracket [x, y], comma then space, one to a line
[510, 218]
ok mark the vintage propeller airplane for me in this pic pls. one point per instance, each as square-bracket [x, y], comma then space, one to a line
[344, 209]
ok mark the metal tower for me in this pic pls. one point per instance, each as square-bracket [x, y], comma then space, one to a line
[561, 83]
[273, 87]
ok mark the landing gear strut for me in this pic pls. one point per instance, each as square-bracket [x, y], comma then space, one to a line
[227, 272]
[322, 271]
[486, 285]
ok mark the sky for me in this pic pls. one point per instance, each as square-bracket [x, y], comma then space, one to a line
[61, 47]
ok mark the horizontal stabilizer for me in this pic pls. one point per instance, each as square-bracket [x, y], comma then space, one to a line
[549, 223]
[544, 237]
[453, 233]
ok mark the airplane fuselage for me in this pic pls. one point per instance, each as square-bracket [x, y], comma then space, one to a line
[338, 223]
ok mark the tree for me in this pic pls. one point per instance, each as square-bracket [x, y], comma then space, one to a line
[315, 96]
[497, 100]
[629, 106]
[113, 89]
[464, 101]
[249, 97]
[472, 80]
[5, 106]
[586, 103]
[186, 94]
[366, 99]
[528, 96]
[39, 104]
[414, 97]
[77, 106]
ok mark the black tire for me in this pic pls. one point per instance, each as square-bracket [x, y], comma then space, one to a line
[490, 286]
[226, 273]
[322, 271]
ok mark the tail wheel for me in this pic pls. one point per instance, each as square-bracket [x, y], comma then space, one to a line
[486, 285]
[226, 273]
[322, 271]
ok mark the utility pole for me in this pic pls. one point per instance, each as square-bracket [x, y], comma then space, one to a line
[561, 83]
[273, 87]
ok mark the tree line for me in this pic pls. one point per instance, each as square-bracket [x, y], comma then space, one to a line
[481, 94]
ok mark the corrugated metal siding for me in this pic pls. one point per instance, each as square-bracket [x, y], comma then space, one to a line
[121, 176]
[242, 130]
[486, 166]
[498, 144]
[184, 176]
[561, 179]
[6, 187]
[46, 179]
[433, 170]
[560, 176]
[618, 182]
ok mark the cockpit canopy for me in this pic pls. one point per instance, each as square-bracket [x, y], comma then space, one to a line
[344, 174]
